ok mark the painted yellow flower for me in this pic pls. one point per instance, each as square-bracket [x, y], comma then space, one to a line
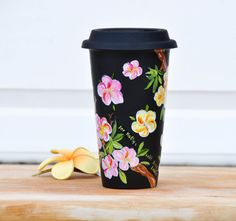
[165, 77]
[66, 161]
[145, 123]
[159, 96]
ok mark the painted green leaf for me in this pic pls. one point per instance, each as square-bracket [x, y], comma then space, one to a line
[118, 137]
[155, 85]
[145, 163]
[146, 107]
[122, 177]
[117, 145]
[110, 150]
[140, 147]
[113, 107]
[161, 73]
[149, 77]
[160, 80]
[114, 129]
[109, 147]
[143, 152]
[162, 113]
[154, 71]
[149, 84]
[132, 118]
[101, 154]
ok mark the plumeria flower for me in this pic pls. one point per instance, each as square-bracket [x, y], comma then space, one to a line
[110, 91]
[159, 96]
[103, 128]
[109, 166]
[145, 123]
[132, 69]
[67, 161]
[126, 158]
[99, 142]
[165, 77]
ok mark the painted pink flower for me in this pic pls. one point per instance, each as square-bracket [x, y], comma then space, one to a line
[109, 91]
[99, 142]
[132, 69]
[126, 158]
[109, 166]
[103, 128]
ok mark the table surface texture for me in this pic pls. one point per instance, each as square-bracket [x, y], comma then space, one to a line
[183, 193]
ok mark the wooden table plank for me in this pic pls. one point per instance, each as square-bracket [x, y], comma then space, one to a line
[183, 193]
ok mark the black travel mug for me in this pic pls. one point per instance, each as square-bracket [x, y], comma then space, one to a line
[129, 73]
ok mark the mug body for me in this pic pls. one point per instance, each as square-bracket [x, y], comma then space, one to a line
[129, 89]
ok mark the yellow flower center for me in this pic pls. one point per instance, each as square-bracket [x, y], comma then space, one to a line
[101, 131]
[132, 70]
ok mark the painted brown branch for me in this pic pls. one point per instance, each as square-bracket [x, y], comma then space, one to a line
[140, 168]
[162, 58]
[110, 117]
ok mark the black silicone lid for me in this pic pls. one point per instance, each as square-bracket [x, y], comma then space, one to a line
[129, 39]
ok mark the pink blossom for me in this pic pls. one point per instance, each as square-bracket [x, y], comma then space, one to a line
[103, 128]
[109, 91]
[126, 158]
[132, 69]
[109, 166]
[99, 142]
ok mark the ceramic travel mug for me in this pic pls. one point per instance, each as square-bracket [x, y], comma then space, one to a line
[129, 73]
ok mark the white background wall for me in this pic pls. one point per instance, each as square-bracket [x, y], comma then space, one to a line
[45, 84]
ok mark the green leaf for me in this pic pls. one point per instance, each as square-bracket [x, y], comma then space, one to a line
[132, 118]
[156, 68]
[155, 85]
[154, 73]
[109, 147]
[160, 80]
[114, 129]
[110, 150]
[122, 177]
[143, 152]
[140, 147]
[117, 145]
[162, 113]
[113, 75]
[149, 84]
[113, 107]
[101, 154]
[150, 77]
[145, 163]
[118, 137]
[146, 107]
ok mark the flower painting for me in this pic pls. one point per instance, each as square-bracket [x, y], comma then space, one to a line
[159, 96]
[132, 70]
[110, 91]
[103, 128]
[126, 157]
[145, 123]
[165, 77]
[109, 166]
